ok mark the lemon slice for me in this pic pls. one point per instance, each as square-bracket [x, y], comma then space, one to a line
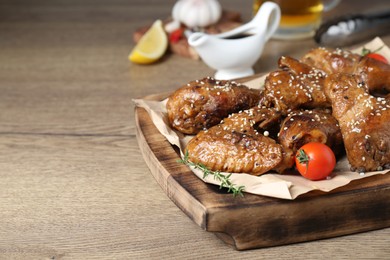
[151, 46]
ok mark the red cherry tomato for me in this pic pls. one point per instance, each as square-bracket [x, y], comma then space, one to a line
[315, 161]
[377, 56]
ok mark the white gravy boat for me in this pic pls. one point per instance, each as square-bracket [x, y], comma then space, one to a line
[234, 53]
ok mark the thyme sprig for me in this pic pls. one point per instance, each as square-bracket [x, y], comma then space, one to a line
[218, 176]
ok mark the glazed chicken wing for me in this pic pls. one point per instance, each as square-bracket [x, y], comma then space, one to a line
[364, 121]
[296, 86]
[236, 146]
[203, 103]
[374, 73]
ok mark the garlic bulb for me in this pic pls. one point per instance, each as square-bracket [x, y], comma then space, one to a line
[197, 13]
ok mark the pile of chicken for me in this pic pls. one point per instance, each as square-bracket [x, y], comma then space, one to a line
[330, 96]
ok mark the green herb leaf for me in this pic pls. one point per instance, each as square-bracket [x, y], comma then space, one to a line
[223, 179]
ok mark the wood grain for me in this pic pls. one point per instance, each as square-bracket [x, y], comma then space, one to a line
[257, 221]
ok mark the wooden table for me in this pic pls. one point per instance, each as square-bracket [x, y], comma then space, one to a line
[73, 183]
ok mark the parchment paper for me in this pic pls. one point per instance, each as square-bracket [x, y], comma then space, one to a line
[270, 184]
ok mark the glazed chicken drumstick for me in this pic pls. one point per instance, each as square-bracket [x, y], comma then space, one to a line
[296, 85]
[364, 121]
[204, 103]
[374, 73]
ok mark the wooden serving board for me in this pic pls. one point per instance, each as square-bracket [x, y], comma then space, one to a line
[255, 221]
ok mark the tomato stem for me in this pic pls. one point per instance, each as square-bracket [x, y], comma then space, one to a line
[303, 158]
[366, 51]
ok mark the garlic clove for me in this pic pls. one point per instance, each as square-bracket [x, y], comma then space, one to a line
[176, 11]
[215, 11]
[191, 19]
[203, 16]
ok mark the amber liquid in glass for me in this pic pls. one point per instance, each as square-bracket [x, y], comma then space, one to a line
[300, 14]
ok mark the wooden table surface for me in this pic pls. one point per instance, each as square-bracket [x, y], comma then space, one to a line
[73, 184]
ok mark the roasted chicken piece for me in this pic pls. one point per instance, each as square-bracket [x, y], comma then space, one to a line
[204, 103]
[236, 146]
[296, 86]
[331, 60]
[374, 73]
[303, 126]
[364, 122]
